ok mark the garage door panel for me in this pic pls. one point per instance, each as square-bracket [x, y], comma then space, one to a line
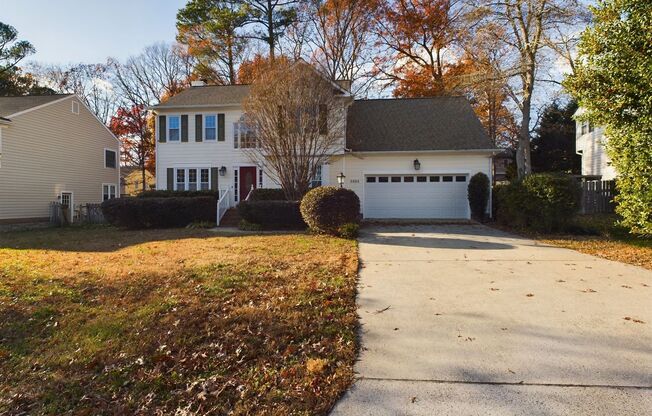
[416, 199]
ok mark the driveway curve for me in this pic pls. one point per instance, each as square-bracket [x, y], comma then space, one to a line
[465, 320]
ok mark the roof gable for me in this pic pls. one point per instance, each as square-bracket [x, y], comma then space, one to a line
[414, 124]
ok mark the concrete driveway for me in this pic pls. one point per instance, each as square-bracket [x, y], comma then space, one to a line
[467, 320]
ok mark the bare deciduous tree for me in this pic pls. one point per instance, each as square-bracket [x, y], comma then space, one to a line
[91, 82]
[341, 37]
[298, 121]
[531, 27]
[160, 71]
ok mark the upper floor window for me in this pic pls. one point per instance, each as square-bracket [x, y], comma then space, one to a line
[316, 180]
[110, 158]
[210, 127]
[174, 128]
[244, 135]
[75, 107]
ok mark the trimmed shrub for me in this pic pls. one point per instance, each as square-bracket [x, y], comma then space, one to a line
[159, 212]
[176, 194]
[325, 209]
[349, 230]
[272, 214]
[542, 202]
[267, 194]
[478, 194]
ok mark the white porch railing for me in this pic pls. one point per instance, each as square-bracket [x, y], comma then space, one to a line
[223, 204]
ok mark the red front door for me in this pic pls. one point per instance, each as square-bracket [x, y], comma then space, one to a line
[247, 180]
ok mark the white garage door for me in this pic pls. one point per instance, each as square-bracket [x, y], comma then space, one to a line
[416, 196]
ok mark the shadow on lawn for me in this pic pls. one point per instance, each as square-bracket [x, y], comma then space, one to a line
[100, 239]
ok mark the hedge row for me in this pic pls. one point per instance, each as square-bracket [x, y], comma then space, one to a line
[165, 212]
[272, 214]
[267, 194]
[176, 194]
[542, 202]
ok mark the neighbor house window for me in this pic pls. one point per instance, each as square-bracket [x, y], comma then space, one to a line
[108, 191]
[210, 127]
[204, 178]
[316, 180]
[110, 158]
[174, 128]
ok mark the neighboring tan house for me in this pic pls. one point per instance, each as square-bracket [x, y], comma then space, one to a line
[590, 144]
[53, 148]
[404, 158]
[131, 181]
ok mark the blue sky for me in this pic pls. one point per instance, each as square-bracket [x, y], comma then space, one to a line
[71, 31]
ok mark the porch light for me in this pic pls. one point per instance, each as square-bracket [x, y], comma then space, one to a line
[223, 171]
[340, 179]
[417, 164]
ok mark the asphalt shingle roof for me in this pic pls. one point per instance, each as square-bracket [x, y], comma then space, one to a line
[434, 123]
[208, 95]
[13, 105]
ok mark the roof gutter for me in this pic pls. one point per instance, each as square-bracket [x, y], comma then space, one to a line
[391, 152]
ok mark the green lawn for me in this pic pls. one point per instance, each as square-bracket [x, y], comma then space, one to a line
[104, 321]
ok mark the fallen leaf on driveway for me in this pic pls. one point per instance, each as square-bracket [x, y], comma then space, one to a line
[382, 310]
[395, 329]
[626, 287]
[511, 371]
[589, 290]
[413, 399]
[638, 321]
[529, 295]
[561, 281]
[493, 288]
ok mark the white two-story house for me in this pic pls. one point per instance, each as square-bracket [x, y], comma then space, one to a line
[404, 158]
[590, 144]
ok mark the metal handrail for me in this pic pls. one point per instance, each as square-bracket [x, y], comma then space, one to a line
[220, 202]
[250, 192]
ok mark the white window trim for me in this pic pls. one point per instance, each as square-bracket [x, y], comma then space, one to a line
[203, 127]
[187, 175]
[75, 107]
[115, 191]
[72, 203]
[167, 128]
[117, 159]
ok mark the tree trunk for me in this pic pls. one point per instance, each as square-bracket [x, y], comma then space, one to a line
[270, 30]
[523, 160]
[142, 171]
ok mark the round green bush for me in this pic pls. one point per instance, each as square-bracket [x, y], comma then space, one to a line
[478, 193]
[325, 209]
[543, 202]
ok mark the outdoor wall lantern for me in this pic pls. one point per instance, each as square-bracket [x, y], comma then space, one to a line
[223, 171]
[417, 164]
[340, 179]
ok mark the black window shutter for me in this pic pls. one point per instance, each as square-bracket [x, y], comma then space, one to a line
[198, 127]
[323, 119]
[214, 174]
[184, 127]
[170, 179]
[161, 129]
[220, 127]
